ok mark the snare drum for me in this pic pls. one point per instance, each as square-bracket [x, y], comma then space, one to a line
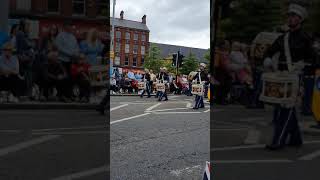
[197, 89]
[280, 88]
[141, 85]
[161, 87]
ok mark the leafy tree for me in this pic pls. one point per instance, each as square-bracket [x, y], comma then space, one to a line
[190, 63]
[249, 17]
[153, 61]
[207, 56]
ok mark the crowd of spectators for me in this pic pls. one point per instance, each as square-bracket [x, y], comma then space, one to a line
[48, 68]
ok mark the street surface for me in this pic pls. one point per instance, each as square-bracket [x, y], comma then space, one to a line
[158, 140]
[239, 136]
[53, 144]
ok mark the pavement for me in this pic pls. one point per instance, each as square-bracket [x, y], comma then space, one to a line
[158, 140]
[53, 144]
[238, 137]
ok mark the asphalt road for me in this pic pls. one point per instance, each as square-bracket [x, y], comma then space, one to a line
[239, 135]
[53, 144]
[160, 141]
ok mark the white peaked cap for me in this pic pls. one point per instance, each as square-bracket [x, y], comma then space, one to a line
[299, 10]
[203, 65]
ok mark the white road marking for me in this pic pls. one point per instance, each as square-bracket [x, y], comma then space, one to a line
[75, 128]
[154, 106]
[161, 110]
[251, 161]
[253, 137]
[189, 105]
[310, 156]
[185, 171]
[176, 112]
[83, 174]
[26, 144]
[118, 107]
[207, 110]
[126, 119]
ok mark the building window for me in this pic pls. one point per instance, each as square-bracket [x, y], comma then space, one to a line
[134, 63]
[53, 6]
[78, 7]
[143, 37]
[135, 49]
[127, 35]
[143, 50]
[142, 60]
[117, 61]
[126, 61]
[102, 8]
[127, 48]
[118, 46]
[135, 37]
[118, 34]
[24, 5]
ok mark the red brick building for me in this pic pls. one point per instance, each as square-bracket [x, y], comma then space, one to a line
[131, 42]
[85, 14]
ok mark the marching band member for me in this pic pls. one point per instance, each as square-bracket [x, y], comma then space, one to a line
[165, 79]
[158, 77]
[147, 79]
[298, 45]
[201, 76]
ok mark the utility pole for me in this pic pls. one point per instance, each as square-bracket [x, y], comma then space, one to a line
[4, 15]
[112, 55]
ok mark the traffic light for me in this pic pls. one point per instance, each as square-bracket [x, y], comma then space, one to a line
[174, 59]
[180, 59]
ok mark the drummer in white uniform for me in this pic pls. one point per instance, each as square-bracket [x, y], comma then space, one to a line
[200, 77]
[294, 46]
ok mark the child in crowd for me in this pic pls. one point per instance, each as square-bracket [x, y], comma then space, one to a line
[80, 77]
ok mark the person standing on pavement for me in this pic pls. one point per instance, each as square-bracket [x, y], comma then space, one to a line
[300, 49]
[201, 78]
[146, 79]
[152, 80]
[68, 48]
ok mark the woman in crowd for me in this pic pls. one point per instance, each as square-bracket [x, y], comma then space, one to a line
[80, 76]
[92, 47]
[26, 54]
[9, 73]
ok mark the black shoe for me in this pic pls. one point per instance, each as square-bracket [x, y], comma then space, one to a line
[141, 96]
[165, 100]
[149, 97]
[274, 147]
[195, 108]
[296, 145]
[159, 99]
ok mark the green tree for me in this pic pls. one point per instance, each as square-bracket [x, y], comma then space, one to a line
[248, 18]
[190, 63]
[153, 61]
[207, 56]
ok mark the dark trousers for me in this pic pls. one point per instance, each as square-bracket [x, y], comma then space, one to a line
[307, 97]
[162, 95]
[58, 84]
[286, 124]
[198, 102]
[69, 85]
[148, 89]
[12, 83]
[84, 86]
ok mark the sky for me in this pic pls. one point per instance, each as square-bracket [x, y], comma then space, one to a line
[175, 22]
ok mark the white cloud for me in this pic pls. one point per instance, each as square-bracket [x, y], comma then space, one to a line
[178, 22]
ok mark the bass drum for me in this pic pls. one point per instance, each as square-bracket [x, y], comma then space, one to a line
[191, 75]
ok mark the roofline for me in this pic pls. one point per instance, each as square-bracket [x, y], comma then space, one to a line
[178, 46]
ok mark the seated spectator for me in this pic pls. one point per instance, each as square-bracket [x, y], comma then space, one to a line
[80, 75]
[57, 77]
[9, 73]
[113, 83]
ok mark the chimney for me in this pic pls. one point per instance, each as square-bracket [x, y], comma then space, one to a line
[121, 14]
[144, 19]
